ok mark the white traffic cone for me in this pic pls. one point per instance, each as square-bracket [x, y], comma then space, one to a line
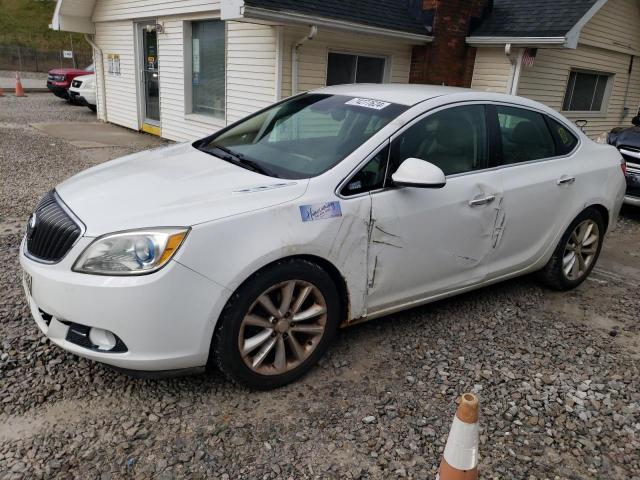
[460, 459]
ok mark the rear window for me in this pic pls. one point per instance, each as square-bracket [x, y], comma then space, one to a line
[566, 141]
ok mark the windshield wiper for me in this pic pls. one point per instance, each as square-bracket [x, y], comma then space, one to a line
[241, 160]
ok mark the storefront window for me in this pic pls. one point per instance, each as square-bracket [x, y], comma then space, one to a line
[208, 68]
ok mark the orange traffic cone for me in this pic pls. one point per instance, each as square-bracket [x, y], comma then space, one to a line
[19, 89]
[460, 459]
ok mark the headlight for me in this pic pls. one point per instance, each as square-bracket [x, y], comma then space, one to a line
[603, 138]
[131, 253]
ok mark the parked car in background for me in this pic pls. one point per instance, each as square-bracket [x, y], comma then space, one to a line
[59, 79]
[83, 91]
[627, 141]
[249, 248]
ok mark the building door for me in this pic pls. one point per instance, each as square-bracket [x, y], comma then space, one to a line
[149, 78]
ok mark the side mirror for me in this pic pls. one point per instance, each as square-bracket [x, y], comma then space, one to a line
[636, 121]
[417, 173]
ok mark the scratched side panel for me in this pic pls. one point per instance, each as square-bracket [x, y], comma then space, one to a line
[424, 242]
[239, 246]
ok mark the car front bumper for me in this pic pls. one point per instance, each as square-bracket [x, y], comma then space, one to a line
[58, 89]
[164, 320]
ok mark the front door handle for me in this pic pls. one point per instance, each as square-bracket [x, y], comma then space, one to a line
[565, 180]
[482, 201]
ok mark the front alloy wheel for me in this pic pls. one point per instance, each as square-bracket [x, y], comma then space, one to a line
[277, 325]
[283, 327]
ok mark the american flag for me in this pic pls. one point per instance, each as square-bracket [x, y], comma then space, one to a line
[529, 56]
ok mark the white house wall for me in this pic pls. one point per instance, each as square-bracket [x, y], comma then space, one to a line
[547, 80]
[251, 68]
[492, 70]
[313, 55]
[122, 104]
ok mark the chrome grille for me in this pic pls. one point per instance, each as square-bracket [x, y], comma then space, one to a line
[51, 232]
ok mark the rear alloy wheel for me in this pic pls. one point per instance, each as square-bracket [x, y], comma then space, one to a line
[577, 252]
[277, 325]
[580, 250]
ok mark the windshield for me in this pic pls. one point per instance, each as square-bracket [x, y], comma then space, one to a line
[304, 136]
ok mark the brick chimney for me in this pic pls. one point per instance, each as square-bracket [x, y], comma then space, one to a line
[448, 59]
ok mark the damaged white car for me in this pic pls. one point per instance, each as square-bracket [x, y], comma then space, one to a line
[249, 248]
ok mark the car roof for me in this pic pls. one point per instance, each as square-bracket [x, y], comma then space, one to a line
[401, 93]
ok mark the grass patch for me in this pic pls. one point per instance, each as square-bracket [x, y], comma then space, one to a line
[26, 23]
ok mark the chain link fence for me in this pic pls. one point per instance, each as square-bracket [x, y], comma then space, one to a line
[27, 59]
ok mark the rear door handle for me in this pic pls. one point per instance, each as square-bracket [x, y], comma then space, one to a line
[482, 201]
[566, 180]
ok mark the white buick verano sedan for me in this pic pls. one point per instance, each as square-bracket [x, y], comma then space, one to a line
[249, 248]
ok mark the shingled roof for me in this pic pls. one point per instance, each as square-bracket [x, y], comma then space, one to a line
[533, 18]
[387, 14]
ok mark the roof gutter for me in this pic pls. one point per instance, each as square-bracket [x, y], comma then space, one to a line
[279, 17]
[517, 41]
[70, 23]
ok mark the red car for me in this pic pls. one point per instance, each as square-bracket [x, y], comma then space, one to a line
[59, 79]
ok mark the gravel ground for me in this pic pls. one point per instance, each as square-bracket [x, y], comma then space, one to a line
[557, 375]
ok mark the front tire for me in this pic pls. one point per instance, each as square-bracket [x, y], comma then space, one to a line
[277, 325]
[577, 253]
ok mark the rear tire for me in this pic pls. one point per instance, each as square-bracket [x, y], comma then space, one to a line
[277, 325]
[576, 253]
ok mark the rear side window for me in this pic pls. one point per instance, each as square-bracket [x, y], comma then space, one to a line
[525, 135]
[565, 140]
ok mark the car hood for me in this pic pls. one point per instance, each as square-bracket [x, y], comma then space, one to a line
[74, 71]
[171, 186]
[625, 137]
[85, 78]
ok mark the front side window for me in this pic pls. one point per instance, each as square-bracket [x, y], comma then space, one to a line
[304, 136]
[586, 92]
[345, 68]
[370, 177]
[208, 68]
[525, 135]
[454, 139]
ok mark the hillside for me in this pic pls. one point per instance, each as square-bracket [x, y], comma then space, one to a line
[26, 23]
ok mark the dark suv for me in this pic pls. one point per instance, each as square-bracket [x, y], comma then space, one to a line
[627, 141]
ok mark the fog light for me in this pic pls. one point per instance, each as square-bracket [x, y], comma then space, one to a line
[103, 339]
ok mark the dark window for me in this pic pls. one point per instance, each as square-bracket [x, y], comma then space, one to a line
[371, 177]
[525, 135]
[585, 92]
[344, 68]
[454, 139]
[565, 140]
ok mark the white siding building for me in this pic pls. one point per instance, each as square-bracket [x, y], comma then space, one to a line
[582, 58]
[185, 68]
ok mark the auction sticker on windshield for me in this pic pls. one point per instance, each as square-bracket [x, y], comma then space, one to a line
[368, 103]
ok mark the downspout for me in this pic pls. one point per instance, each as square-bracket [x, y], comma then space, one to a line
[103, 90]
[625, 107]
[294, 57]
[516, 67]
